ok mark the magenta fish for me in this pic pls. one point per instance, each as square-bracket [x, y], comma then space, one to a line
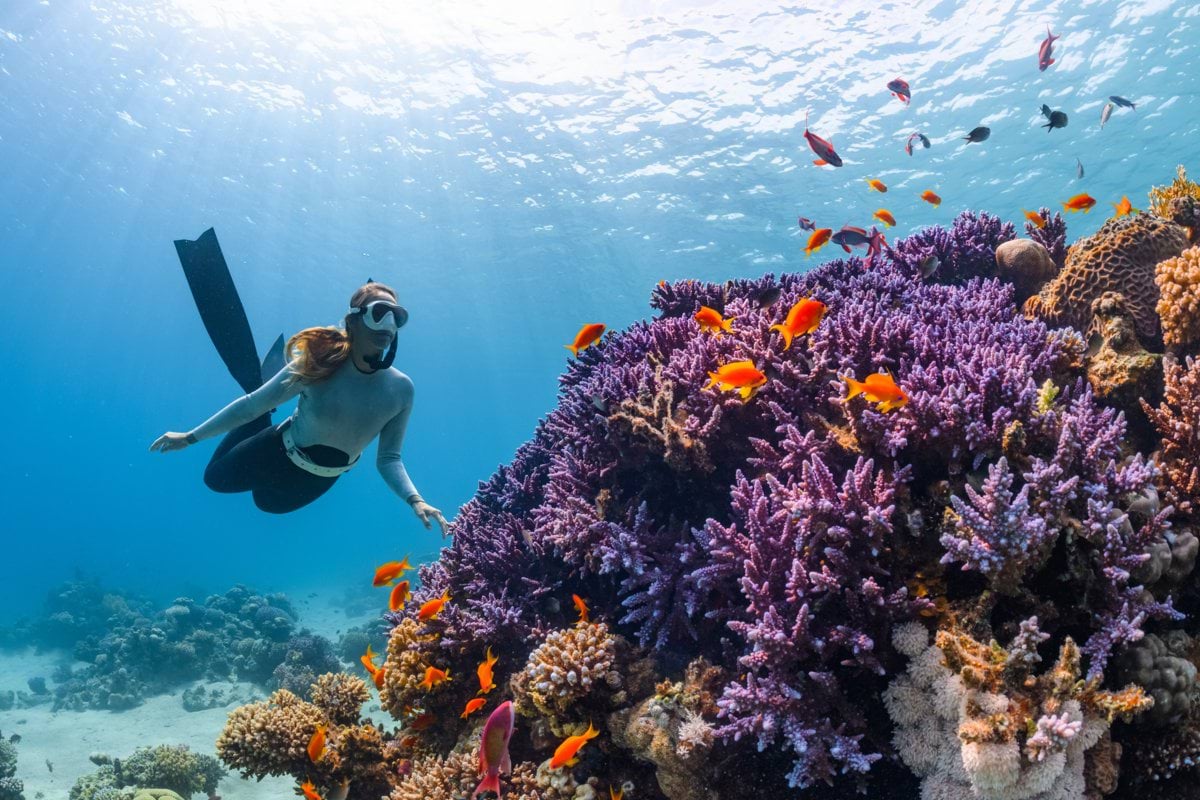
[899, 89]
[493, 749]
[876, 242]
[824, 150]
[1046, 50]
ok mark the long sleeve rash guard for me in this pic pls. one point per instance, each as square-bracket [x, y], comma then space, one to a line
[346, 410]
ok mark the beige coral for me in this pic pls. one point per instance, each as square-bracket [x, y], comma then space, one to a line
[439, 778]
[408, 654]
[270, 737]
[1119, 369]
[1161, 197]
[1025, 264]
[1120, 258]
[340, 696]
[565, 668]
[1178, 306]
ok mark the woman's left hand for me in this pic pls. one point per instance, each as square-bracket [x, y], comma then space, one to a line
[426, 513]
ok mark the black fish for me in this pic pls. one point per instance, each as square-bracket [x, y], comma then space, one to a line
[769, 296]
[978, 134]
[1058, 119]
[929, 265]
[1045, 111]
[1121, 101]
[850, 236]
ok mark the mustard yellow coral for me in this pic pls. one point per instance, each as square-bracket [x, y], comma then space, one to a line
[1181, 187]
[1178, 306]
[438, 778]
[408, 653]
[269, 738]
[340, 696]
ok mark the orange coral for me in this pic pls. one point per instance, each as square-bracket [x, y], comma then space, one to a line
[1121, 258]
[1181, 187]
[1177, 420]
[1178, 282]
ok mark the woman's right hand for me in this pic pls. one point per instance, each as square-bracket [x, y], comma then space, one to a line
[169, 441]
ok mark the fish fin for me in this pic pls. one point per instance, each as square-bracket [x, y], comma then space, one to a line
[785, 333]
[506, 763]
[746, 392]
[490, 783]
[854, 388]
[712, 380]
[847, 249]
[820, 162]
[574, 350]
[727, 325]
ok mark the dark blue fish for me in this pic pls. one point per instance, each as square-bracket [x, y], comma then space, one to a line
[1121, 101]
[978, 134]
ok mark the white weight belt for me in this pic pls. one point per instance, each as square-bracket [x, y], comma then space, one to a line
[301, 460]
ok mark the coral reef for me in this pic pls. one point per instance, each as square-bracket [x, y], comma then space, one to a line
[11, 787]
[164, 771]
[1178, 306]
[796, 548]
[1177, 202]
[1120, 258]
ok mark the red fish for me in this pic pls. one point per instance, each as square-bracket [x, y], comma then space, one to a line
[929, 197]
[1037, 219]
[817, 240]
[899, 89]
[803, 318]
[1080, 202]
[316, 745]
[473, 706]
[399, 596]
[434, 677]
[581, 607]
[431, 609]
[493, 749]
[389, 571]
[1124, 207]
[875, 244]
[711, 321]
[824, 150]
[876, 184]
[739, 376]
[1046, 50]
[309, 791]
[368, 660]
[377, 677]
[879, 388]
[484, 671]
[885, 216]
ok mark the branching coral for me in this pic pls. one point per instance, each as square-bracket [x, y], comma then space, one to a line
[1177, 421]
[340, 697]
[1052, 236]
[1178, 305]
[408, 654]
[1162, 198]
[1121, 258]
[568, 666]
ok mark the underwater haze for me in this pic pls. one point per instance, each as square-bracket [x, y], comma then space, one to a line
[517, 170]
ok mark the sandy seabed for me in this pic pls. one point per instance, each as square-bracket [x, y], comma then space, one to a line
[65, 739]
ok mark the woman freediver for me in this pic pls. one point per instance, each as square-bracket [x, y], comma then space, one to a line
[349, 394]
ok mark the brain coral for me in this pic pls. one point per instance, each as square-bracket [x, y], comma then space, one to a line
[1178, 306]
[1120, 257]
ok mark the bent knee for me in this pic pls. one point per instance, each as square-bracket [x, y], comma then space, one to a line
[225, 481]
[276, 504]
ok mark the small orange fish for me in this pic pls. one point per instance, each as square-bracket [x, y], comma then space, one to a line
[877, 185]
[434, 677]
[389, 571]
[616, 794]
[1124, 207]
[711, 321]
[804, 317]
[885, 216]
[310, 791]
[484, 671]
[432, 608]
[1080, 202]
[581, 607]
[423, 721]
[368, 660]
[741, 376]
[817, 240]
[377, 677]
[473, 706]
[588, 335]
[878, 387]
[929, 197]
[1037, 219]
[399, 596]
[316, 745]
[565, 754]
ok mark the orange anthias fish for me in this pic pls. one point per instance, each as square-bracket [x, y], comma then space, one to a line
[804, 317]
[484, 671]
[368, 660]
[377, 677]
[434, 677]
[741, 376]
[711, 321]
[581, 607]
[817, 240]
[588, 335]
[566, 752]
[931, 198]
[423, 721]
[399, 596]
[1080, 202]
[1124, 207]
[389, 571]
[880, 388]
[316, 745]
[310, 791]
[885, 216]
[473, 706]
[1037, 219]
[432, 608]
[616, 794]
[876, 184]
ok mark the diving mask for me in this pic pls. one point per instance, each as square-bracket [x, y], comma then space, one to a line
[381, 315]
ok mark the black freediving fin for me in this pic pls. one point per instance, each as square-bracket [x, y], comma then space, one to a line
[221, 309]
[273, 360]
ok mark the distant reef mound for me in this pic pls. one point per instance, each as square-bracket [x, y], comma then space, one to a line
[988, 592]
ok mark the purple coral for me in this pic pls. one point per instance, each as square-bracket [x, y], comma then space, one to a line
[1054, 731]
[1052, 236]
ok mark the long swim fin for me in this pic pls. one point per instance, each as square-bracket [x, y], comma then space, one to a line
[273, 361]
[222, 312]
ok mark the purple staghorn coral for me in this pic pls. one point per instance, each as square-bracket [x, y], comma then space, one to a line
[1052, 236]
[775, 536]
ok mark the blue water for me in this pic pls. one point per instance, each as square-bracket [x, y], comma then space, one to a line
[515, 173]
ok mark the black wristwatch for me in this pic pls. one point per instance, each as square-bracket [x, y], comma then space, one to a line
[191, 438]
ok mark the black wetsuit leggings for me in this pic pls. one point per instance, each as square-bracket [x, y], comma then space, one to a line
[252, 458]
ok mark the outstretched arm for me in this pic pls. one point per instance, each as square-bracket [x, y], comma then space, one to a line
[391, 465]
[279, 389]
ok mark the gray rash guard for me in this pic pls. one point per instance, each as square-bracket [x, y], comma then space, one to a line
[346, 410]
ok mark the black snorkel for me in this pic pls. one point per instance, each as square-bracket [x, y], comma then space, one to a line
[376, 363]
